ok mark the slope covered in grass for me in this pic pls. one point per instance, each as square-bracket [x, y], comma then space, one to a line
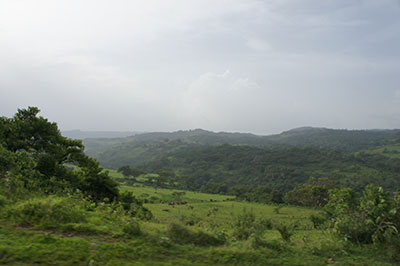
[200, 233]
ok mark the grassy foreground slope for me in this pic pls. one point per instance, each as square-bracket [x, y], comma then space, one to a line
[72, 231]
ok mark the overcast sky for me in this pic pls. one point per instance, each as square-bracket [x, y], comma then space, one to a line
[222, 65]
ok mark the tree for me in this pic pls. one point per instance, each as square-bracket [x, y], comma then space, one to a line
[276, 197]
[125, 170]
[33, 136]
[314, 193]
[371, 219]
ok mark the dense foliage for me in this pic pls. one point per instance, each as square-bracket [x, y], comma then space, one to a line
[321, 138]
[198, 160]
[314, 193]
[218, 169]
[34, 156]
[372, 218]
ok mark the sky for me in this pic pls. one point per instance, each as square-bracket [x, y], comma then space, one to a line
[260, 66]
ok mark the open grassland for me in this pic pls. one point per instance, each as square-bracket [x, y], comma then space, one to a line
[24, 247]
[172, 195]
[217, 211]
[204, 231]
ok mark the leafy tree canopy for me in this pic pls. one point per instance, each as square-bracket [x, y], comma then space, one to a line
[39, 141]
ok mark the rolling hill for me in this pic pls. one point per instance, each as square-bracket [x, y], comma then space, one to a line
[199, 158]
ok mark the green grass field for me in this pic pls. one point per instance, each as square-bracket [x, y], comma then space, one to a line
[105, 236]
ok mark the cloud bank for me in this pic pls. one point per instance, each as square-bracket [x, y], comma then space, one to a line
[237, 65]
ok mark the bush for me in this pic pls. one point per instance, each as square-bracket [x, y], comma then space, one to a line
[46, 213]
[285, 231]
[134, 207]
[314, 193]
[318, 221]
[277, 209]
[372, 219]
[3, 201]
[132, 229]
[182, 235]
[189, 220]
[81, 228]
[246, 224]
[256, 242]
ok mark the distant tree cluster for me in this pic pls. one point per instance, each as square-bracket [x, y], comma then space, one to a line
[127, 171]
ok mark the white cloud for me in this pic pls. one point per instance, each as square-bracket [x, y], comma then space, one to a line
[258, 45]
[221, 101]
[397, 94]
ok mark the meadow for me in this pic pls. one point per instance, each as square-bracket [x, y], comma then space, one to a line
[208, 230]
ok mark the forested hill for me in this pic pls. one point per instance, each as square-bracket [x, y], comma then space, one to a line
[201, 159]
[209, 167]
[338, 139]
[321, 138]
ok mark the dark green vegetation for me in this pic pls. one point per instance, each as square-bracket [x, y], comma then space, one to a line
[34, 156]
[321, 138]
[373, 218]
[219, 162]
[58, 207]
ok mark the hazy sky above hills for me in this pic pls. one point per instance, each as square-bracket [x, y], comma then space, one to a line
[222, 65]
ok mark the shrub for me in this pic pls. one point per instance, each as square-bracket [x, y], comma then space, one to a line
[246, 224]
[182, 235]
[3, 201]
[314, 193]
[256, 242]
[134, 206]
[285, 231]
[140, 212]
[372, 219]
[189, 220]
[47, 213]
[132, 229]
[81, 228]
[318, 220]
[277, 209]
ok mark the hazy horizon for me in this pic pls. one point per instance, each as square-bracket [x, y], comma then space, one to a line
[193, 129]
[249, 66]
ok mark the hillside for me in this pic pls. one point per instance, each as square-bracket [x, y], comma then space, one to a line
[338, 139]
[279, 168]
[321, 138]
[278, 161]
[204, 232]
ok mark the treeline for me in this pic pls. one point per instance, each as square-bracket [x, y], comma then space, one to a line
[315, 192]
[216, 169]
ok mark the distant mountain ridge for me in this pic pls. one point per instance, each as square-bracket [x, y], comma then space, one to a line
[349, 157]
[79, 134]
[321, 138]
[339, 139]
